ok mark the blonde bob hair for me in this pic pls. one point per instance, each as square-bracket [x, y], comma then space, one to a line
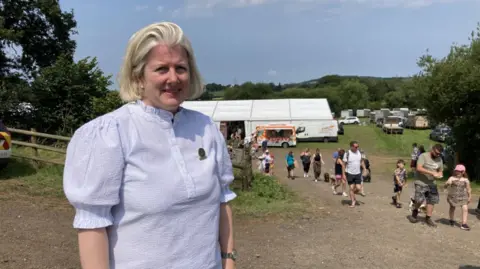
[138, 48]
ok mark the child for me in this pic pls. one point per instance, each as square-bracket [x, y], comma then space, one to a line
[272, 163]
[399, 181]
[459, 194]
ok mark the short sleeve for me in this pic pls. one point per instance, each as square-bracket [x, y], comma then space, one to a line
[421, 160]
[225, 168]
[93, 173]
[345, 157]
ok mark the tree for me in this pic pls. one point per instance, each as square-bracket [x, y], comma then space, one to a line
[40, 29]
[248, 91]
[353, 94]
[452, 96]
[65, 94]
[106, 104]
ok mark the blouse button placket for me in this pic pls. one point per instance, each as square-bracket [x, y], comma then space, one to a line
[177, 155]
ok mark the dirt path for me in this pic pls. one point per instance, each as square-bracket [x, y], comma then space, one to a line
[372, 235]
[37, 234]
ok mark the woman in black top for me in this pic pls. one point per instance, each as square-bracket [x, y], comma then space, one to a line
[317, 164]
[339, 172]
[306, 158]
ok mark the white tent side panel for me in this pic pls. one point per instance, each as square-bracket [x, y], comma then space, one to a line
[205, 107]
[277, 109]
[233, 110]
[310, 109]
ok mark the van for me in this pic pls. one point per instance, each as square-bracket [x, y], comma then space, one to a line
[278, 135]
[316, 131]
[393, 125]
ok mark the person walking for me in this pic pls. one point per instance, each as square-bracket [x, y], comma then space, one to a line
[399, 182]
[306, 158]
[429, 169]
[290, 160]
[414, 158]
[459, 194]
[353, 171]
[317, 164]
[340, 178]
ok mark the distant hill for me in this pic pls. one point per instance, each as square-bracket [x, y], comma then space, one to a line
[337, 79]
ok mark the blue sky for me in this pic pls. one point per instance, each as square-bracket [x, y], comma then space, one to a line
[283, 40]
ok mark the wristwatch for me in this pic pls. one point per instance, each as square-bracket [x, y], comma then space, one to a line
[231, 255]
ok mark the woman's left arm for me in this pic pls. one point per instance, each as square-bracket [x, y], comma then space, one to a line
[469, 191]
[227, 243]
[226, 177]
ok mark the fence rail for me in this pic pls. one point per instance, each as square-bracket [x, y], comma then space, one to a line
[35, 146]
[242, 159]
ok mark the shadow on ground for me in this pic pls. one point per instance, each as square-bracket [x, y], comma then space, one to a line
[17, 168]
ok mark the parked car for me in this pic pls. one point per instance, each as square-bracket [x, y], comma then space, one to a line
[340, 131]
[440, 133]
[349, 120]
[5, 145]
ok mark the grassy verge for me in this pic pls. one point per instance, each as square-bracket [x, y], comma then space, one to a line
[374, 141]
[267, 197]
[22, 177]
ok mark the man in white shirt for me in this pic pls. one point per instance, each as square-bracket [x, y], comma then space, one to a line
[353, 170]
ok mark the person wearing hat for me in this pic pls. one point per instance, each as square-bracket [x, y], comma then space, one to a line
[459, 195]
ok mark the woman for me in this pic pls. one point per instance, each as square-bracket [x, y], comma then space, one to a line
[150, 180]
[339, 172]
[317, 164]
[306, 158]
[290, 160]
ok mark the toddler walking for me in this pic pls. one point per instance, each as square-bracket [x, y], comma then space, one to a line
[459, 194]
[399, 182]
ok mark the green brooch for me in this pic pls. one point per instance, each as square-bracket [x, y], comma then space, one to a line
[201, 154]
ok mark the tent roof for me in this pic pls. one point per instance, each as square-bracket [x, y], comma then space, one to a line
[264, 109]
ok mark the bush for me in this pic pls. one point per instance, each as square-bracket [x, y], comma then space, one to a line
[266, 197]
[268, 187]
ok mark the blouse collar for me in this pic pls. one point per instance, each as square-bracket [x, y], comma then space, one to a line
[163, 114]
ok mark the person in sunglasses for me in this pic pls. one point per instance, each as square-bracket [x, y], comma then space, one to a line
[429, 169]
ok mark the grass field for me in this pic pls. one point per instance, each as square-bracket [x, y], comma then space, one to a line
[378, 145]
[46, 180]
[374, 141]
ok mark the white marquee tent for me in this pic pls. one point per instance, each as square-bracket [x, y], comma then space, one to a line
[263, 110]
[252, 113]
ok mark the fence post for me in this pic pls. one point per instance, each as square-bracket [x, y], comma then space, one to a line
[33, 140]
[247, 167]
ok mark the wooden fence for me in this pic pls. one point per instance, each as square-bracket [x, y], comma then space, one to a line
[241, 158]
[33, 144]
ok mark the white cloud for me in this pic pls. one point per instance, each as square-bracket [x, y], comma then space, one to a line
[202, 8]
[213, 4]
[160, 8]
[272, 73]
[141, 7]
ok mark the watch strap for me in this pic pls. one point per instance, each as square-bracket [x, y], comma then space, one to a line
[230, 255]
